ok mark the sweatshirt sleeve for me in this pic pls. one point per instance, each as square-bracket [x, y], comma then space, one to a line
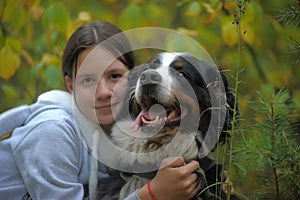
[49, 159]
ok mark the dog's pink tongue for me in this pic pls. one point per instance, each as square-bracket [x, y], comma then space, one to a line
[138, 121]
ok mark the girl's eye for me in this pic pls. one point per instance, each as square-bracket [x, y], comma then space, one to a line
[116, 76]
[87, 80]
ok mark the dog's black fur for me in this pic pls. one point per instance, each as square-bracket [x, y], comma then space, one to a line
[184, 71]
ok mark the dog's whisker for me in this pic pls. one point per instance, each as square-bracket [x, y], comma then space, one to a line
[209, 109]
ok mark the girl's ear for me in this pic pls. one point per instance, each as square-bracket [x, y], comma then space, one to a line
[69, 84]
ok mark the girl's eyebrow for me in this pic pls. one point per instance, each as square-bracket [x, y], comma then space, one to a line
[116, 70]
[85, 75]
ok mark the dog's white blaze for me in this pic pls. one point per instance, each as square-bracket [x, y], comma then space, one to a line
[163, 70]
[167, 58]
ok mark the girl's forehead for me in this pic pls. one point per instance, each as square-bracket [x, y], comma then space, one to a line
[82, 56]
[94, 58]
[97, 60]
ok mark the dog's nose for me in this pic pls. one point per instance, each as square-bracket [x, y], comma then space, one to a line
[150, 76]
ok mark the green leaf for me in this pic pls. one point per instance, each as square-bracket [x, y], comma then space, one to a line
[132, 16]
[53, 77]
[15, 12]
[155, 15]
[55, 16]
[10, 94]
[14, 44]
[34, 71]
[194, 8]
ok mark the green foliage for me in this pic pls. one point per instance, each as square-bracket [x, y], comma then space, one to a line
[270, 149]
[33, 34]
[55, 16]
[289, 16]
[42, 28]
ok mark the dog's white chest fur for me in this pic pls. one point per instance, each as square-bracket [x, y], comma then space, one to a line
[183, 144]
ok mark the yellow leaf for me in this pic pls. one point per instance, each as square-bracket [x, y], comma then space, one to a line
[208, 8]
[84, 17]
[47, 57]
[70, 28]
[9, 62]
[247, 33]
[189, 32]
[28, 3]
[229, 33]
[213, 15]
[36, 11]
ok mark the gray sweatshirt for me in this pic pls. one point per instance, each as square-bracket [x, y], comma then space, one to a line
[45, 158]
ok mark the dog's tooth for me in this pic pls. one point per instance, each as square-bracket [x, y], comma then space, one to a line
[155, 120]
[172, 114]
[165, 120]
[144, 120]
[159, 121]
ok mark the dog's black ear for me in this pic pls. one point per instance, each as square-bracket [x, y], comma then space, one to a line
[229, 101]
[211, 74]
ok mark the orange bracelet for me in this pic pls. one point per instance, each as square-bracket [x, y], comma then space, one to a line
[150, 192]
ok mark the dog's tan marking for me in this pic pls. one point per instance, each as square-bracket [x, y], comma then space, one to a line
[178, 64]
[154, 60]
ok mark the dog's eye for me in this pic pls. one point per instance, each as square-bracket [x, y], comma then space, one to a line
[182, 74]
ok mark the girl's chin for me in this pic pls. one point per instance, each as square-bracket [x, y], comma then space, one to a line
[107, 120]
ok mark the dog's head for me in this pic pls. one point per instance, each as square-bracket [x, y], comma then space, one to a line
[169, 93]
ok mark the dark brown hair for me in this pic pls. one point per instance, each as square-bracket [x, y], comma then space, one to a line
[91, 34]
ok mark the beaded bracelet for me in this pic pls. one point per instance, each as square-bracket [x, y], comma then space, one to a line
[150, 191]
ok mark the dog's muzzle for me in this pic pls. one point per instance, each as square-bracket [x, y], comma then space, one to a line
[157, 108]
[150, 76]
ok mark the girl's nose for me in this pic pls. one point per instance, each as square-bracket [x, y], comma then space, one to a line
[104, 90]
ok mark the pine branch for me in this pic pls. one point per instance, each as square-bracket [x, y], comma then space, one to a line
[294, 49]
[289, 16]
[270, 149]
[273, 147]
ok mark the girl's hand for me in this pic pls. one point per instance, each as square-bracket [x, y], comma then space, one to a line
[174, 180]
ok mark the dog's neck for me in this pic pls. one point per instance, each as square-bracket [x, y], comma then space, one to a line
[183, 144]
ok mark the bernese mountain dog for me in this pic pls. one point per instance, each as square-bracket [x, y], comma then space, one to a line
[176, 105]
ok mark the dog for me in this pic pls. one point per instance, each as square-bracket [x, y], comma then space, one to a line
[168, 113]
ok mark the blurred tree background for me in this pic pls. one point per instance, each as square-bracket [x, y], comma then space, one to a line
[257, 39]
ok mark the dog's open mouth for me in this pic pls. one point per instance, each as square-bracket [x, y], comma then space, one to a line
[154, 114]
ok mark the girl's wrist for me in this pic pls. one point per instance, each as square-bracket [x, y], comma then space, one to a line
[146, 192]
[150, 191]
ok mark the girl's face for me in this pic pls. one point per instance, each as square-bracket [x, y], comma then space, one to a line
[100, 85]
